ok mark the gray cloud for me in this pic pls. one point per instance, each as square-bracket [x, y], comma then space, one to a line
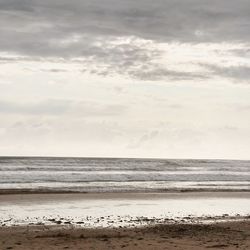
[64, 29]
[237, 73]
[140, 69]
[57, 107]
[189, 20]
[144, 139]
[51, 107]
[157, 72]
[54, 70]
[39, 27]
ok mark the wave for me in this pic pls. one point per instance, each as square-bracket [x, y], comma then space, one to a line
[135, 173]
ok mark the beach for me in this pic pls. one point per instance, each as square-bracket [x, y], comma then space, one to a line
[95, 203]
[223, 235]
[194, 220]
[121, 209]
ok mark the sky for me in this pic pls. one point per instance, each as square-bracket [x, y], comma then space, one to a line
[134, 78]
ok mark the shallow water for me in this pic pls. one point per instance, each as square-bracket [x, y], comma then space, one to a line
[116, 211]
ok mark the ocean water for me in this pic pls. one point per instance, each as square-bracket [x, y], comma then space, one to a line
[122, 175]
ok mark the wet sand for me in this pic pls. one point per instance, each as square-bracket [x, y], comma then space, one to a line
[229, 235]
[121, 209]
[220, 220]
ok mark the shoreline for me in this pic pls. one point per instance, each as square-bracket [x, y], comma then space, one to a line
[137, 195]
[220, 235]
[122, 209]
[156, 191]
[124, 221]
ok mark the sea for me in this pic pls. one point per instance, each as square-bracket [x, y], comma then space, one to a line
[54, 174]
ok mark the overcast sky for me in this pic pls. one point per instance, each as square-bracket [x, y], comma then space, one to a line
[134, 78]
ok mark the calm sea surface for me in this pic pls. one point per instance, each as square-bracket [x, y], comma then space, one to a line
[128, 175]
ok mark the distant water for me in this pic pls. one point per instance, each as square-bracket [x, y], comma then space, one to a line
[126, 175]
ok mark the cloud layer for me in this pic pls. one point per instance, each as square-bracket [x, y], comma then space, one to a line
[114, 37]
[122, 78]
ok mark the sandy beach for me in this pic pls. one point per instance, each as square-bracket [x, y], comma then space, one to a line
[230, 235]
[121, 209]
[217, 220]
